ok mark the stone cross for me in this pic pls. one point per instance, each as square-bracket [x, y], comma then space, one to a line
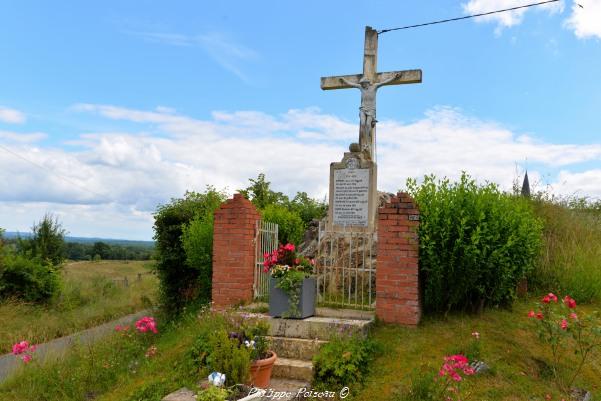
[368, 83]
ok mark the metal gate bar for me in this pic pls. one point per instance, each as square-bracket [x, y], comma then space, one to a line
[266, 241]
[346, 268]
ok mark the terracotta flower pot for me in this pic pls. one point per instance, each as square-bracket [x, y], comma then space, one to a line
[260, 371]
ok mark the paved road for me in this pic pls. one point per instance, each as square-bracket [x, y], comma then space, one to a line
[56, 348]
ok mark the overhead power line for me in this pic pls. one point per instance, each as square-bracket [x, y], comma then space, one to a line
[66, 179]
[470, 16]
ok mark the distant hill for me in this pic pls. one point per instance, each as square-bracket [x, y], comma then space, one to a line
[88, 240]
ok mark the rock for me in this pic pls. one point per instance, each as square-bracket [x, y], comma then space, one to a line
[580, 394]
[479, 367]
[182, 394]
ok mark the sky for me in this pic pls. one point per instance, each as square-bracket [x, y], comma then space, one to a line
[109, 109]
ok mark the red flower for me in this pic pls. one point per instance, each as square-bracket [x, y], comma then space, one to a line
[546, 299]
[539, 316]
[531, 314]
[552, 296]
[564, 324]
[569, 302]
[573, 316]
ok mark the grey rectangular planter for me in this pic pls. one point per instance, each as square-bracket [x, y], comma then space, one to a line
[279, 303]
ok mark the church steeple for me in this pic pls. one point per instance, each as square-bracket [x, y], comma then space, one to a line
[526, 186]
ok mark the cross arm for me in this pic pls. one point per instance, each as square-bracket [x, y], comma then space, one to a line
[328, 83]
[405, 77]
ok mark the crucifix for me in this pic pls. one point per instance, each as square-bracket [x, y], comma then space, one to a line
[368, 83]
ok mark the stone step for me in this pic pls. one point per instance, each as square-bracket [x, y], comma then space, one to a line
[316, 327]
[263, 307]
[295, 348]
[292, 369]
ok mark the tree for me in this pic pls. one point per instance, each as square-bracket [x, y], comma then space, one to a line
[48, 240]
[261, 195]
[102, 249]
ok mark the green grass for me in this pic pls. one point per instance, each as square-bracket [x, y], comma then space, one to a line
[111, 371]
[571, 257]
[89, 297]
[508, 344]
[115, 368]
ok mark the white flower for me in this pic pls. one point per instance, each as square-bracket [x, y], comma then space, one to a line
[249, 344]
[217, 379]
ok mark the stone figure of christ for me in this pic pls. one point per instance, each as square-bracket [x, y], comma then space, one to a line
[367, 111]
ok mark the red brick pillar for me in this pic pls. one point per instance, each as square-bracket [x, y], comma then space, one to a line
[397, 284]
[234, 252]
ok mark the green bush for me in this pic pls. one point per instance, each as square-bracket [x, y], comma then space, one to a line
[228, 357]
[184, 276]
[290, 226]
[475, 243]
[343, 361]
[27, 279]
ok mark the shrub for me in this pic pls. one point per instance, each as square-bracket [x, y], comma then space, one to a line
[179, 275]
[27, 279]
[342, 361]
[227, 356]
[476, 243]
[290, 226]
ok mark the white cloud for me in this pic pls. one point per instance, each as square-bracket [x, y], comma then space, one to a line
[585, 21]
[223, 50]
[117, 179]
[509, 18]
[22, 137]
[11, 116]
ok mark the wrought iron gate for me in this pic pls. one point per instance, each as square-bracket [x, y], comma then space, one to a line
[346, 267]
[266, 240]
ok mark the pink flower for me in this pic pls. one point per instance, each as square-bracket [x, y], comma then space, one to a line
[289, 247]
[312, 262]
[118, 327]
[20, 347]
[552, 296]
[569, 302]
[296, 261]
[531, 314]
[546, 299]
[564, 324]
[146, 324]
[26, 358]
[573, 316]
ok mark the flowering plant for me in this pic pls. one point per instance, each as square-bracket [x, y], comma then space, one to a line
[24, 351]
[146, 324]
[450, 377]
[284, 260]
[290, 269]
[559, 325]
[252, 334]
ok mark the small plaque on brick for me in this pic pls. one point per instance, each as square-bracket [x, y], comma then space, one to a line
[414, 217]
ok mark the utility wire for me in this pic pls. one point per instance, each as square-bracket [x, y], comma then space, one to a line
[51, 172]
[469, 16]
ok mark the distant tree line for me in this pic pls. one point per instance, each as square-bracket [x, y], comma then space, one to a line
[102, 251]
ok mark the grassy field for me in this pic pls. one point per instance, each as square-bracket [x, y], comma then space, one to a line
[111, 371]
[93, 293]
[509, 346]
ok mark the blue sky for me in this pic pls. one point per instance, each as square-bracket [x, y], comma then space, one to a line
[120, 106]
